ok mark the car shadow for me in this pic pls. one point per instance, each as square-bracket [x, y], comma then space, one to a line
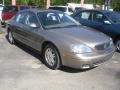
[28, 50]
[74, 70]
[37, 55]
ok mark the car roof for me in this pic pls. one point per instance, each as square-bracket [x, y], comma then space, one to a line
[102, 11]
[36, 10]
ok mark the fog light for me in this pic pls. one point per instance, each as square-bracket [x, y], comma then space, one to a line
[85, 66]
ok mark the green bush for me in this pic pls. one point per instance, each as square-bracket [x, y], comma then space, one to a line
[42, 3]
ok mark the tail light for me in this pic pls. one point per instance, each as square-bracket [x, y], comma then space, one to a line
[7, 15]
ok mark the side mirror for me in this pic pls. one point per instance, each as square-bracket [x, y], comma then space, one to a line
[107, 22]
[33, 25]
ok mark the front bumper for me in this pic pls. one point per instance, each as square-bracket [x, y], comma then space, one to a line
[87, 60]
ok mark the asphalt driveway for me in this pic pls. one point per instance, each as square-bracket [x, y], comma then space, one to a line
[22, 69]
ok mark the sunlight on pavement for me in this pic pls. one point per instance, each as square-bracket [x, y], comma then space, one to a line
[31, 64]
[115, 62]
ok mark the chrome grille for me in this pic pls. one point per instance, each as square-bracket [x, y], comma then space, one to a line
[102, 46]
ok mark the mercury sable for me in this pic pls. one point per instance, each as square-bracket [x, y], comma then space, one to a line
[60, 39]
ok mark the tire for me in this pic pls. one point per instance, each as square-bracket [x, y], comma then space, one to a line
[51, 57]
[118, 45]
[10, 37]
[0, 24]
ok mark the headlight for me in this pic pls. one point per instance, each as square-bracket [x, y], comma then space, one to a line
[79, 49]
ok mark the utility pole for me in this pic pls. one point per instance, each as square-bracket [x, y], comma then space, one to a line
[3, 2]
[82, 2]
[48, 4]
[106, 4]
[13, 2]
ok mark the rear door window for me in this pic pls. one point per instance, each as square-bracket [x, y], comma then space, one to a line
[84, 15]
[10, 9]
[70, 10]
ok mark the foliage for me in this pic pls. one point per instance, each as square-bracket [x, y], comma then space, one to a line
[41, 3]
[116, 5]
[0, 1]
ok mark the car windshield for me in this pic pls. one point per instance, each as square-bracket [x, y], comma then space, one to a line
[114, 17]
[56, 20]
[63, 9]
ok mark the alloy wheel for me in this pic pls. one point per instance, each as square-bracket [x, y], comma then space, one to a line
[51, 57]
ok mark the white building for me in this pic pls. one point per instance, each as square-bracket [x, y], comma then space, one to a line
[76, 5]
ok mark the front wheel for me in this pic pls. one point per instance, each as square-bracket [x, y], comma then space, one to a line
[51, 57]
[118, 45]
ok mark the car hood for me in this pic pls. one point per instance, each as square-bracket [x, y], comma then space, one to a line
[81, 35]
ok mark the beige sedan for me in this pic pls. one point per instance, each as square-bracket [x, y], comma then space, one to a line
[60, 39]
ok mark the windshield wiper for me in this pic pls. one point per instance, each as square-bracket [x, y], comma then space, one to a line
[72, 26]
[54, 27]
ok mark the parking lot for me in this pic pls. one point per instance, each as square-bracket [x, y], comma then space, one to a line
[22, 69]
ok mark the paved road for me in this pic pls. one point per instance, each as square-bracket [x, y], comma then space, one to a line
[21, 69]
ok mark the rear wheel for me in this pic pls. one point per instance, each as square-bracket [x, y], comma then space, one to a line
[51, 57]
[10, 38]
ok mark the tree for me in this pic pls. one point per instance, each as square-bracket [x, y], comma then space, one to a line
[7, 2]
[58, 2]
[99, 2]
[22, 2]
[1, 1]
[116, 5]
[42, 3]
[31, 2]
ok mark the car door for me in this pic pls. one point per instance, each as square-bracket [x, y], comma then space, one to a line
[18, 27]
[98, 23]
[84, 17]
[32, 30]
[97, 20]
